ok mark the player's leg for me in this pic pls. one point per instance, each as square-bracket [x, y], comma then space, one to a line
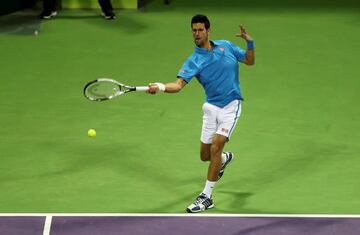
[224, 121]
[213, 152]
[205, 154]
[216, 163]
[228, 117]
[209, 127]
[216, 150]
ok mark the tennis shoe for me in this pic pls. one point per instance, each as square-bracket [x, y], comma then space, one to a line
[109, 15]
[229, 158]
[47, 14]
[201, 203]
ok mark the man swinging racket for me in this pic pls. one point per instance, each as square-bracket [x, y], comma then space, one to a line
[215, 64]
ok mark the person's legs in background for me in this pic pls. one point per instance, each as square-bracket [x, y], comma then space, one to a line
[107, 9]
[49, 9]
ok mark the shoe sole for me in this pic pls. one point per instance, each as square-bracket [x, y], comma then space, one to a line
[190, 211]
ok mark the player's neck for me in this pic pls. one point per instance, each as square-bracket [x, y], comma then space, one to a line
[207, 45]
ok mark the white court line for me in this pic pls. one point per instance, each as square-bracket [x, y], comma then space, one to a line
[47, 225]
[50, 215]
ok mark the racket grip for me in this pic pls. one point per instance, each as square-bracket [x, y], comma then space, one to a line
[142, 88]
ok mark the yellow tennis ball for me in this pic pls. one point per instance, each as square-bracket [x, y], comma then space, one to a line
[91, 133]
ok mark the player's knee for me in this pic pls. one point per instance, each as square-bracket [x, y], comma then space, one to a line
[217, 144]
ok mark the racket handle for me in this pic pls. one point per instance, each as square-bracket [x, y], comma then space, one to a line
[142, 88]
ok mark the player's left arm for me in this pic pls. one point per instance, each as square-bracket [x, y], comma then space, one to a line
[250, 52]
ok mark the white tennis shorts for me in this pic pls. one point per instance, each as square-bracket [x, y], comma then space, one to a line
[218, 120]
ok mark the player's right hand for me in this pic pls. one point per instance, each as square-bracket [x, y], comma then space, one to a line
[153, 88]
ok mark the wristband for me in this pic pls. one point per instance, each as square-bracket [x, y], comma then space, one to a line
[250, 45]
[161, 86]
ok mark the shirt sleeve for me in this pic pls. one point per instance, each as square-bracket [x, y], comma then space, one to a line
[188, 70]
[238, 52]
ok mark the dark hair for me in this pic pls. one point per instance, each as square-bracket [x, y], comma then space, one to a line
[201, 19]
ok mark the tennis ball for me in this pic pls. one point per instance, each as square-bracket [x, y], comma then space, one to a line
[91, 133]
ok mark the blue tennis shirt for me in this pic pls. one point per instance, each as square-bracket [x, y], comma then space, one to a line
[217, 70]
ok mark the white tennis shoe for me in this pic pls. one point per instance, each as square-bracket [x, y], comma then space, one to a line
[201, 203]
[229, 158]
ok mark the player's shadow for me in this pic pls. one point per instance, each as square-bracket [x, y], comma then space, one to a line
[233, 201]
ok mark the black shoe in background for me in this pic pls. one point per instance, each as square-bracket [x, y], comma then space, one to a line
[109, 15]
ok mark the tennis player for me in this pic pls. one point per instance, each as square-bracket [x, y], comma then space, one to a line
[215, 64]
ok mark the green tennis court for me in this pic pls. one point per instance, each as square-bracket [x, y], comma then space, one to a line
[297, 143]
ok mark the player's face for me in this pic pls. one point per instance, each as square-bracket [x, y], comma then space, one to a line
[200, 34]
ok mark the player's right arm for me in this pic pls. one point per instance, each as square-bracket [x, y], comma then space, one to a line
[171, 87]
[188, 70]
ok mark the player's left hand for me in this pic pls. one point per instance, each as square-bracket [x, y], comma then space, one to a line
[243, 34]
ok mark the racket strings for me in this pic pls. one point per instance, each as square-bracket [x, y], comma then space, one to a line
[102, 90]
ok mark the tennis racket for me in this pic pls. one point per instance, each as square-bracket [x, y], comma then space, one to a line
[103, 89]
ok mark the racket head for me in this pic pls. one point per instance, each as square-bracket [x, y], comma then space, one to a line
[103, 89]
